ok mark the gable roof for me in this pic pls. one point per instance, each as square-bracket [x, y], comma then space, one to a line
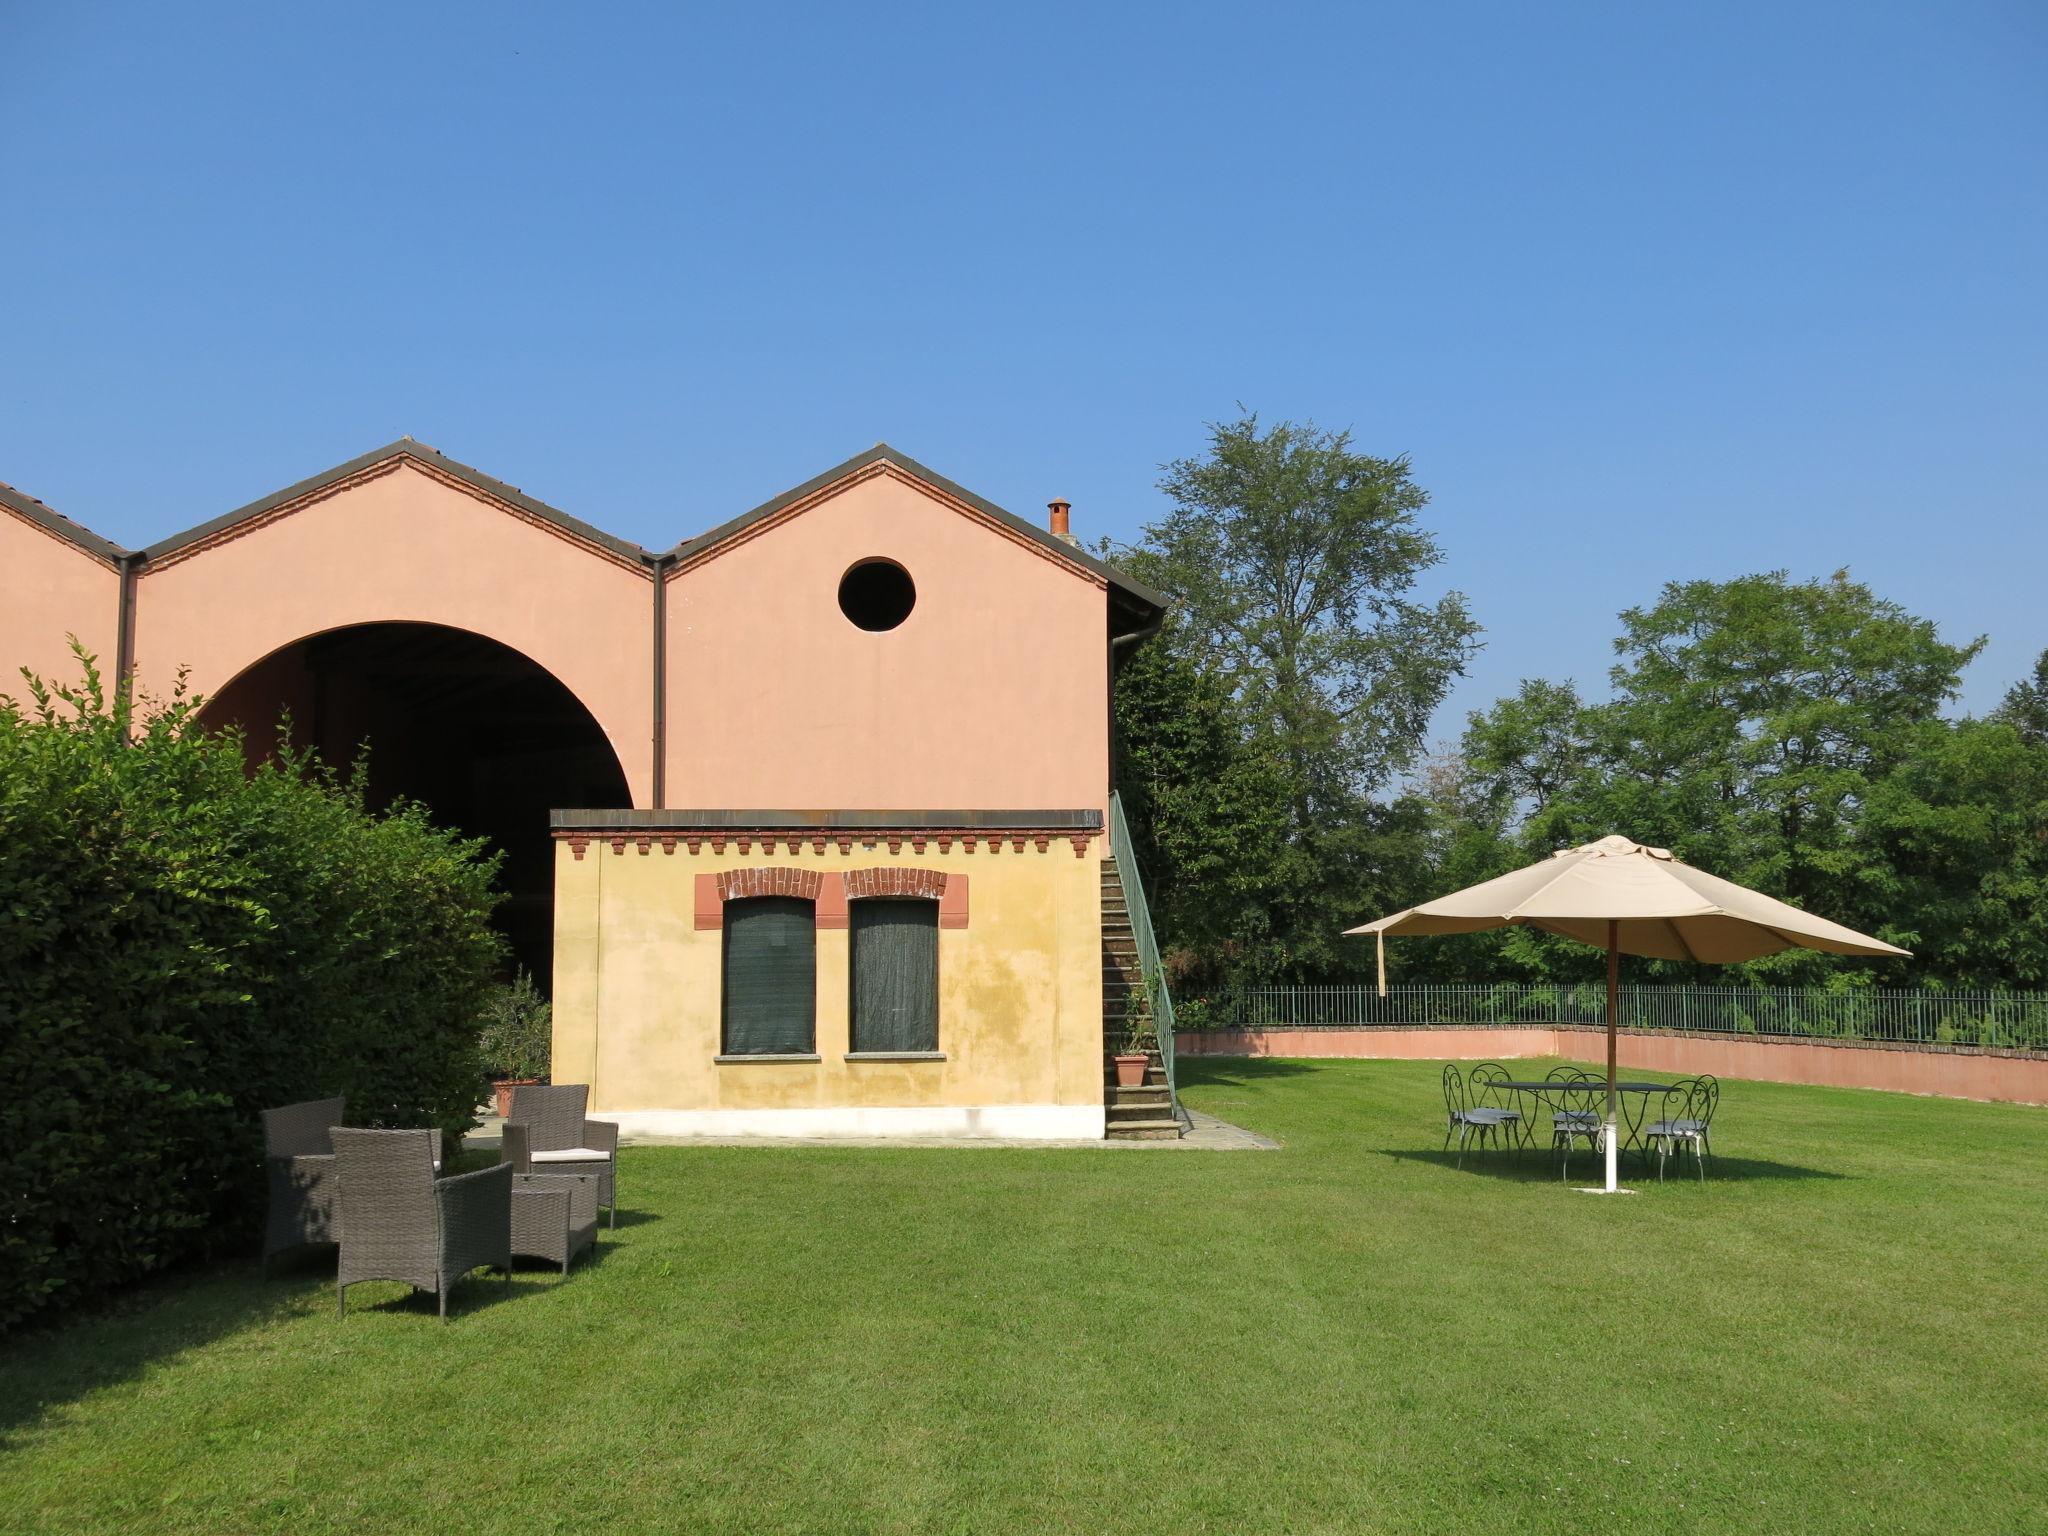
[54, 522]
[1137, 605]
[1135, 594]
[429, 458]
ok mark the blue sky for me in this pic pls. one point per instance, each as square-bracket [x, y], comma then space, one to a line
[1647, 292]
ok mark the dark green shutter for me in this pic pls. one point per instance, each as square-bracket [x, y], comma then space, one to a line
[895, 975]
[771, 977]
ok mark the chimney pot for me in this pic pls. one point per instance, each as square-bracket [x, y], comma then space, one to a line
[1059, 506]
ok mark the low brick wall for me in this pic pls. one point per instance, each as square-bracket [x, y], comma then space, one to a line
[1395, 1042]
[1949, 1071]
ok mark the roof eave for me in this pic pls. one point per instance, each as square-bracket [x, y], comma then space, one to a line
[59, 526]
[420, 453]
[1135, 592]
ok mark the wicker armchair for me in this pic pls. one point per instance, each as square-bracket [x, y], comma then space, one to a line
[299, 1158]
[554, 1216]
[547, 1133]
[399, 1222]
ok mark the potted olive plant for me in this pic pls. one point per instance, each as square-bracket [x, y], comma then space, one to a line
[518, 1028]
[1135, 1055]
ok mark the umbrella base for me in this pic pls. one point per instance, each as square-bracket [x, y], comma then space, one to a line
[1596, 1190]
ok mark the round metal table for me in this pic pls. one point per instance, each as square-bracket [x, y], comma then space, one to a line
[1632, 1103]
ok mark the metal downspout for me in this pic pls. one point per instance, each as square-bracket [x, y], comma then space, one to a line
[659, 778]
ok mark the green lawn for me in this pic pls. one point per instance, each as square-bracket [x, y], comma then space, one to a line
[1846, 1330]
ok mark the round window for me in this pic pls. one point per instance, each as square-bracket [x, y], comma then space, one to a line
[877, 594]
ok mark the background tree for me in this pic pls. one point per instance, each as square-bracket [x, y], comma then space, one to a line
[1300, 644]
[2025, 707]
[1753, 725]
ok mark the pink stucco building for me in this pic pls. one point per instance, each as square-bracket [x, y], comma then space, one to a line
[875, 651]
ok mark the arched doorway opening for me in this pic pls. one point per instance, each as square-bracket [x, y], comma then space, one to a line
[483, 735]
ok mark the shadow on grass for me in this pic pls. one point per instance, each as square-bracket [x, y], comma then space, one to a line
[1235, 1071]
[152, 1323]
[477, 1291]
[1541, 1168]
[122, 1337]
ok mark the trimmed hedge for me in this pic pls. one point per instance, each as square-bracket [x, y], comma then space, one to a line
[184, 943]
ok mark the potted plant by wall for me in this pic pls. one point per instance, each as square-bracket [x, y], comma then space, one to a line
[1135, 1054]
[518, 1030]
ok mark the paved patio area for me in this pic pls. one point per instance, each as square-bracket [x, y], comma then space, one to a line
[1206, 1133]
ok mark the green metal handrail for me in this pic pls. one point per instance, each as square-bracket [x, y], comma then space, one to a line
[1149, 969]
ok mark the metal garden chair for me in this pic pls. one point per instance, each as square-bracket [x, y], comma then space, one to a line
[1572, 1122]
[1686, 1123]
[1466, 1121]
[1489, 1081]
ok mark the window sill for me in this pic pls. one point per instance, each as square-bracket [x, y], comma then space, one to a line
[895, 1055]
[735, 1061]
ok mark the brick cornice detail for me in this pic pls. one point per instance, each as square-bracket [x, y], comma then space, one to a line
[893, 471]
[895, 880]
[819, 840]
[768, 880]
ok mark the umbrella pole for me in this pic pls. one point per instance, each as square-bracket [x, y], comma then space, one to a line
[1613, 1008]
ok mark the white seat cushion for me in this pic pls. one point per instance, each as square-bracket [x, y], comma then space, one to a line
[573, 1155]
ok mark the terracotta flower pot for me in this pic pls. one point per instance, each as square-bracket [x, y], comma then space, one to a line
[1130, 1071]
[503, 1090]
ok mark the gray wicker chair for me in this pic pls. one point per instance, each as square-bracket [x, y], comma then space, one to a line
[399, 1222]
[299, 1159]
[547, 1133]
[554, 1216]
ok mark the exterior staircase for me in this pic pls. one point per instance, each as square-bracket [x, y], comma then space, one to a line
[1134, 1114]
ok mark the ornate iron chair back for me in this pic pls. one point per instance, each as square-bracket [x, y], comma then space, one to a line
[1456, 1103]
[1486, 1079]
[1706, 1099]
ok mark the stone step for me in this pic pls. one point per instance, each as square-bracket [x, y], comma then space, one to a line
[1151, 1093]
[1143, 1130]
[1116, 1117]
[1127, 1106]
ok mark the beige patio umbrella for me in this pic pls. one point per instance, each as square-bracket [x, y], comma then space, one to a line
[1628, 899]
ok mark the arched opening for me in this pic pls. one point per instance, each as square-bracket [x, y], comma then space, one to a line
[485, 736]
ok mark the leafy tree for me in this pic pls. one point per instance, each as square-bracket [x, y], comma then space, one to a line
[1752, 722]
[1960, 831]
[2025, 707]
[187, 943]
[1295, 560]
[1526, 751]
[1293, 685]
[1207, 814]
